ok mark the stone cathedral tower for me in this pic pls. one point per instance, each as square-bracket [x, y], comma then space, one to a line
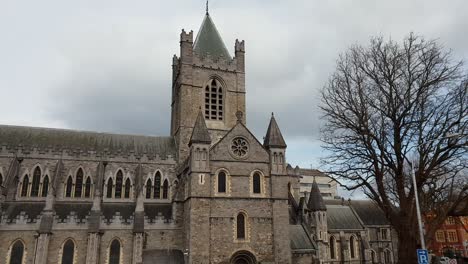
[206, 77]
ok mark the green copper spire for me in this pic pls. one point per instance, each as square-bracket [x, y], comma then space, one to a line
[208, 40]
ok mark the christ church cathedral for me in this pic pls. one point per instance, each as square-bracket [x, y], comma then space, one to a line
[210, 192]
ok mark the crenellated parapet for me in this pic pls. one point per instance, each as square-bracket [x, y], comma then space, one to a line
[186, 37]
[216, 63]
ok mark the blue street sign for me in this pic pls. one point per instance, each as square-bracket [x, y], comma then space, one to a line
[423, 257]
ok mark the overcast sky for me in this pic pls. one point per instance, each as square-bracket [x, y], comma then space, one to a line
[106, 65]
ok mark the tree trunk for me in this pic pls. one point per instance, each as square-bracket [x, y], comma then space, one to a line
[407, 245]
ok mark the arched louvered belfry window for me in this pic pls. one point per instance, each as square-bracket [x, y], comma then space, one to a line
[36, 181]
[222, 182]
[149, 186]
[45, 186]
[118, 184]
[25, 186]
[332, 247]
[17, 253]
[240, 222]
[114, 252]
[110, 184]
[128, 185]
[79, 183]
[68, 252]
[387, 256]
[352, 246]
[256, 182]
[88, 187]
[157, 186]
[69, 187]
[165, 189]
[214, 102]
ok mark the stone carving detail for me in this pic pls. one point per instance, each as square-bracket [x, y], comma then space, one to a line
[240, 147]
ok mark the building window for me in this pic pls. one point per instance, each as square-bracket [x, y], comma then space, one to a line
[25, 186]
[240, 222]
[214, 100]
[149, 186]
[17, 253]
[440, 236]
[88, 187]
[387, 256]
[118, 184]
[352, 247]
[384, 233]
[157, 186]
[332, 247]
[45, 186]
[256, 183]
[114, 252]
[165, 189]
[373, 257]
[222, 182]
[110, 184]
[450, 220]
[68, 252]
[1, 179]
[68, 187]
[452, 236]
[79, 183]
[36, 180]
[128, 185]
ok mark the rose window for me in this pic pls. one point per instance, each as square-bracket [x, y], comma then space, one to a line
[240, 147]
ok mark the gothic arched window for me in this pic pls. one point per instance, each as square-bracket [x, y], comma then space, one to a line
[36, 181]
[373, 257]
[118, 184]
[256, 183]
[387, 256]
[114, 252]
[68, 252]
[222, 182]
[240, 222]
[352, 247]
[69, 186]
[87, 192]
[214, 100]
[45, 186]
[110, 184]
[332, 247]
[25, 186]
[79, 183]
[17, 253]
[157, 186]
[165, 189]
[128, 185]
[149, 186]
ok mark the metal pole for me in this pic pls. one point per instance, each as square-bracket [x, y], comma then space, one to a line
[418, 210]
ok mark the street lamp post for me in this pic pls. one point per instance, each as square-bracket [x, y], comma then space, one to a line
[418, 209]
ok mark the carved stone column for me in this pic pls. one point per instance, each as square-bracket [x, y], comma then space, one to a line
[138, 248]
[92, 252]
[42, 247]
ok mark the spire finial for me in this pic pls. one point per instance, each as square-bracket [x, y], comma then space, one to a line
[207, 7]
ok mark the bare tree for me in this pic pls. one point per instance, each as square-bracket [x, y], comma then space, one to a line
[392, 105]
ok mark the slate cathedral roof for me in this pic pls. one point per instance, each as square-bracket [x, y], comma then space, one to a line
[209, 41]
[63, 139]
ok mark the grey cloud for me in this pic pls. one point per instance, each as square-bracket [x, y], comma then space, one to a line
[106, 66]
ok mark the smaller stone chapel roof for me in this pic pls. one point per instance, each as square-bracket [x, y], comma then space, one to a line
[342, 217]
[61, 139]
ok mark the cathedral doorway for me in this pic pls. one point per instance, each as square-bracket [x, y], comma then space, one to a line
[243, 257]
